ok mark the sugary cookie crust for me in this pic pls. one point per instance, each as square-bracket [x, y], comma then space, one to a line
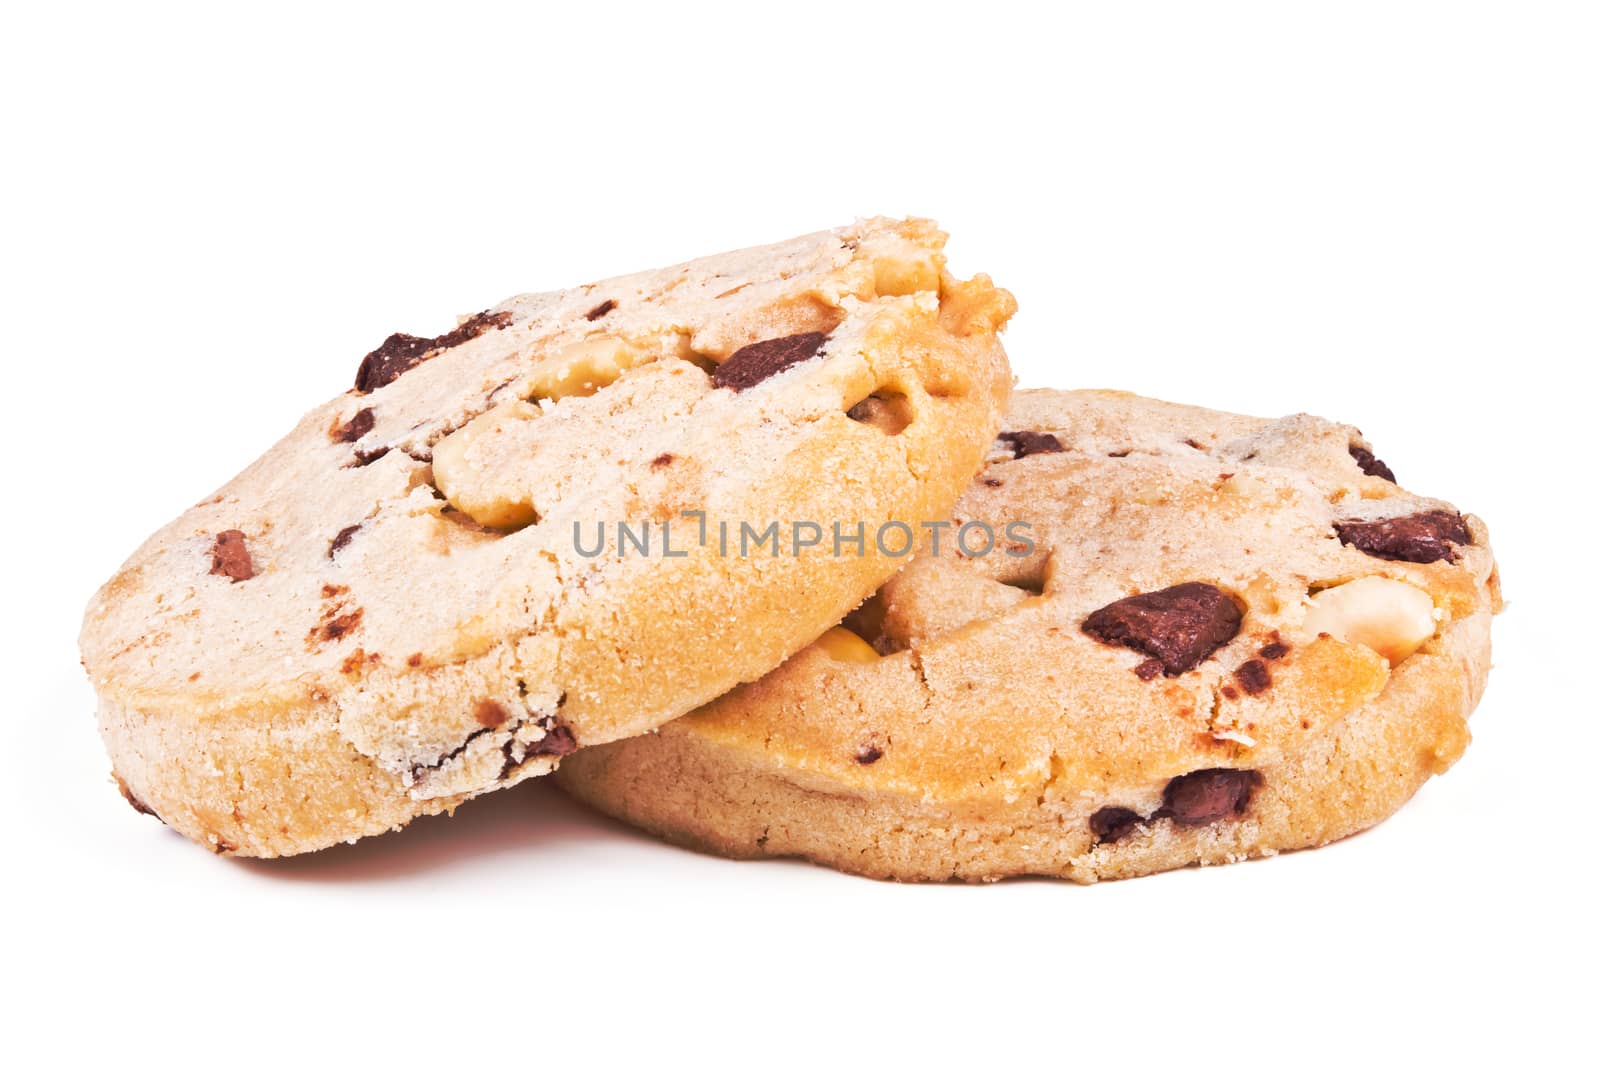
[335, 641]
[1004, 733]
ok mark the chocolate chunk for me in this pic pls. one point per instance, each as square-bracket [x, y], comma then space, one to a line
[601, 310]
[472, 327]
[1422, 538]
[490, 714]
[557, 742]
[868, 754]
[759, 361]
[355, 429]
[664, 460]
[1148, 669]
[1031, 442]
[1179, 626]
[1112, 823]
[1254, 676]
[1370, 464]
[341, 539]
[363, 457]
[1274, 650]
[1206, 796]
[399, 353]
[230, 557]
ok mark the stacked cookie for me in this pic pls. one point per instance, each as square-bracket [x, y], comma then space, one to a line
[755, 549]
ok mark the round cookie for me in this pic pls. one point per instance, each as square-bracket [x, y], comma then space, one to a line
[487, 553]
[1197, 638]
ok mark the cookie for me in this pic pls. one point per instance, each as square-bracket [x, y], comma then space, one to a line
[512, 539]
[1152, 636]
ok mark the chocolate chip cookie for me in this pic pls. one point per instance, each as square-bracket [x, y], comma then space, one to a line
[1151, 636]
[510, 539]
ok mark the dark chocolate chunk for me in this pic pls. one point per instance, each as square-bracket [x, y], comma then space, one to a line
[1253, 676]
[1274, 650]
[557, 742]
[664, 460]
[230, 557]
[1370, 464]
[601, 310]
[472, 327]
[399, 353]
[1179, 626]
[1030, 442]
[355, 429]
[1206, 796]
[868, 754]
[1148, 669]
[759, 361]
[1112, 823]
[341, 539]
[1422, 538]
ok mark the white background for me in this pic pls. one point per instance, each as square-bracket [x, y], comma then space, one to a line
[1383, 213]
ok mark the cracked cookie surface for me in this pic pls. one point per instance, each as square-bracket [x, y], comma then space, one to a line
[1231, 637]
[397, 607]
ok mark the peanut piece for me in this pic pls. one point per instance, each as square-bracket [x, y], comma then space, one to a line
[461, 461]
[897, 275]
[848, 646]
[1389, 617]
[582, 368]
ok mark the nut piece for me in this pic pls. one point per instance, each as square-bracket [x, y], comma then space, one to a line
[848, 646]
[464, 462]
[899, 275]
[582, 368]
[1392, 618]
